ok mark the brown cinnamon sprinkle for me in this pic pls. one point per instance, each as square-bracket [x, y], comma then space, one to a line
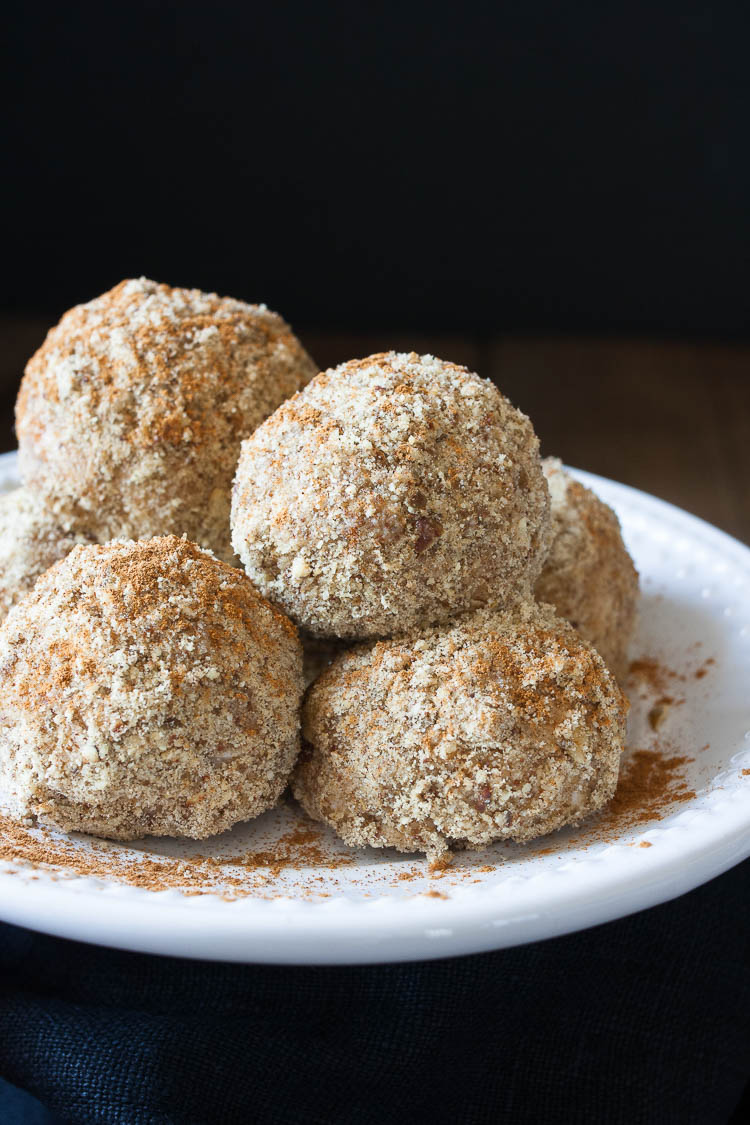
[439, 866]
[653, 674]
[300, 847]
[659, 711]
[651, 782]
[704, 668]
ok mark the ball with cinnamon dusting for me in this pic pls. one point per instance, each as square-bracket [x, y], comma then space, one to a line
[134, 408]
[500, 727]
[32, 538]
[589, 576]
[147, 688]
[393, 493]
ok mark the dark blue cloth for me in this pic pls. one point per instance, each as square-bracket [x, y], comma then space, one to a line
[643, 1020]
[17, 1107]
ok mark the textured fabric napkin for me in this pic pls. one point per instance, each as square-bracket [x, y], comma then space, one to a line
[642, 1020]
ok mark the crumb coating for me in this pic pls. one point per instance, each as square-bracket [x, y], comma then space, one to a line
[589, 576]
[32, 538]
[393, 493]
[147, 688]
[133, 409]
[504, 726]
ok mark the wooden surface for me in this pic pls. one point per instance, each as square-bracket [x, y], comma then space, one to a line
[670, 418]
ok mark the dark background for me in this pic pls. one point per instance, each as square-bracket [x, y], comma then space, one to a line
[532, 167]
[555, 194]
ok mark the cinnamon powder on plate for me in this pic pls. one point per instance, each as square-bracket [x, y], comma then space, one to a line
[651, 782]
[250, 873]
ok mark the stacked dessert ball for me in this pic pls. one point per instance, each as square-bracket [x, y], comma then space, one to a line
[401, 501]
[131, 414]
[394, 509]
[32, 537]
[147, 687]
[589, 576]
[503, 725]
[395, 492]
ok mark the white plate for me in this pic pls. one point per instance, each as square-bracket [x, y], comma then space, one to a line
[373, 905]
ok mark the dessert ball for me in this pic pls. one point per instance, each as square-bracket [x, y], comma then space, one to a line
[147, 688]
[391, 494]
[31, 539]
[500, 727]
[134, 408]
[589, 576]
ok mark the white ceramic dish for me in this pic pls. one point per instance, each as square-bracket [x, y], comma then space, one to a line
[375, 906]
